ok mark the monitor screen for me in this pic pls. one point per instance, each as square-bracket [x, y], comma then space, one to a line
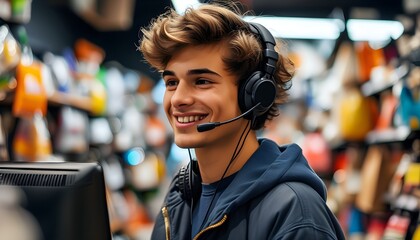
[67, 199]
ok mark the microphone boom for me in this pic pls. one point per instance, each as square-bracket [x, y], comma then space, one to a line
[211, 125]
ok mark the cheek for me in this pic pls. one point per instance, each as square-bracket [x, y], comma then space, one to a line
[167, 103]
[234, 96]
[233, 99]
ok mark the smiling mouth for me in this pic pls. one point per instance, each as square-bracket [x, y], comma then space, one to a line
[189, 119]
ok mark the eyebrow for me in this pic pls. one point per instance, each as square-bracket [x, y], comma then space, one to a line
[191, 72]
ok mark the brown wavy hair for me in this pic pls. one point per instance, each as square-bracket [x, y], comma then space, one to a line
[209, 24]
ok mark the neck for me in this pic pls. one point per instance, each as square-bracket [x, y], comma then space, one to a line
[213, 160]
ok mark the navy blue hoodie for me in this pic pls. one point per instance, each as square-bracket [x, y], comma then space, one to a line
[276, 195]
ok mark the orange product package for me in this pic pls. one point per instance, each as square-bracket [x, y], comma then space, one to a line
[32, 141]
[30, 96]
[367, 59]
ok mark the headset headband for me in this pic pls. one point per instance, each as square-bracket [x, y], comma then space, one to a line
[268, 42]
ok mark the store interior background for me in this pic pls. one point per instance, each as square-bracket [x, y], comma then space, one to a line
[354, 106]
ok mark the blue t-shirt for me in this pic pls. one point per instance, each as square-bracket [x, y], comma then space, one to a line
[210, 193]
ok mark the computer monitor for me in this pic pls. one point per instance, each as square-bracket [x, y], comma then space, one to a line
[67, 199]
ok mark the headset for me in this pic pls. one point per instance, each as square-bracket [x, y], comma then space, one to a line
[256, 95]
[260, 87]
[189, 181]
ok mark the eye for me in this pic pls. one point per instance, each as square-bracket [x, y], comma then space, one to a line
[202, 81]
[171, 84]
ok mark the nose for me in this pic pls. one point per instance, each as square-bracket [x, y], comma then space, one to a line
[183, 95]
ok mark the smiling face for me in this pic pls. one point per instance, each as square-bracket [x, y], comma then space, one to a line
[199, 90]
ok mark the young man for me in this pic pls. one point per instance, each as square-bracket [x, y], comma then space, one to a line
[224, 73]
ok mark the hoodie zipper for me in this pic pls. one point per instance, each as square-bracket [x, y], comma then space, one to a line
[217, 224]
[167, 223]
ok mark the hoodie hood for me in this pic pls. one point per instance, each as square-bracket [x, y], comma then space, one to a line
[268, 167]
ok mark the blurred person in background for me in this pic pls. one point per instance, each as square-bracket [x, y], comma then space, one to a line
[16, 223]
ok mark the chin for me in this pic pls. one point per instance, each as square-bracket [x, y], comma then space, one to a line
[186, 142]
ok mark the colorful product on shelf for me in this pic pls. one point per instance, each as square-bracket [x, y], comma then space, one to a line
[316, 150]
[98, 97]
[376, 228]
[412, 176]
[386, 116]
[10, 53]
[60, 71]
[147, 168]
[30, 95]
[376, 175]
[357, 115]
[416, 234]
[155, 132]
[356, 228]
[367, 59]
[72, 134]
[409, 108]
[32, 140]
[397, 227]
[90, 77]
[114, 82]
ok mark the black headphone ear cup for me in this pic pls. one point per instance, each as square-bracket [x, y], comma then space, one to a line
[263, 92]
[189, 183]
[256, 89]
[184, 182]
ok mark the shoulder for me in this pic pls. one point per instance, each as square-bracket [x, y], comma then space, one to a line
[295, 197]
[293, 207]
[294, 204]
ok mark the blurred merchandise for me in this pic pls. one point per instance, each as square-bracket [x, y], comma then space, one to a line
[357, 115]
[89, 76]
[376, 228]
[10, 54]
[72, 131]
[60, 71]
[376, 174]
[388, 105]
[32, 141]
[317, 152]
[367, 59]
[357, 225]
[416, 235]
[114, 173]
[147, 168]
[155, 133]
[409, 108]
[130, 127]
[4, 155]
[100, 131]
[18, 11]
[105, 15]
[114, 82]
[30, 97]
[397, 227]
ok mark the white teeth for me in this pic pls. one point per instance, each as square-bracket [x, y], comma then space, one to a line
[188, 119]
